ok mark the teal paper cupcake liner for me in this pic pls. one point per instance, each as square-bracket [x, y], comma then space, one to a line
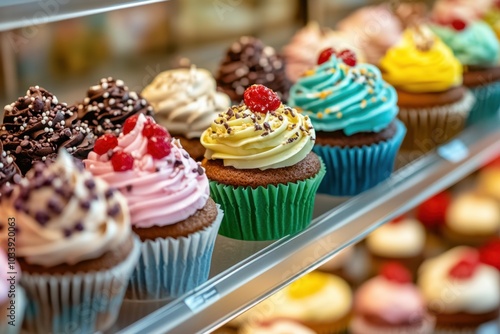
[168, 268]
[487, 102]
[11, 319]
[352, 170]
[77, 303]
[266, 213]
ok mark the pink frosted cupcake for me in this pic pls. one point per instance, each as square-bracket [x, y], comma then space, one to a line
[171, 211]
[390, 303]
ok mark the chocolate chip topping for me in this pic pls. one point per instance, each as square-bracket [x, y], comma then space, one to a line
[247, 62]
[109, 104]
[36, 126]
[9, 172]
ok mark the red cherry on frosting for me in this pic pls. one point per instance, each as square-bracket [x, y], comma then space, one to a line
[458, 24]
[490, 253]
[466, 266]
[432, 212]
[325, 55]
[129, 124]
[122, 161]
[105, 143]
[159, 147]
[395, 272]
[259, 98]
[349, 57]
[152, 129]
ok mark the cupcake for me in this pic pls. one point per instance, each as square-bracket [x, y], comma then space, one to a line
[471, 219]
[488, 182]
[373, 29]
[9, 172]
[171, 211]
[72, 233]
[354, 113]
[432, 101]
[460, 291]
[36, 126]
[445, 11]
[390, 303]
[477, 48]
[12, 297]
[261, 168]
[108, 105]
[321, 302]
[402, 240]
[276, 326]
[307, 43]
[185, 101]
[247, 62]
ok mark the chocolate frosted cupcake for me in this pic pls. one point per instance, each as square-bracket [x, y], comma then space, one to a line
[108, 104]
[72, 233]
[9, 172]
[261, 167]
[248, 61]
[37, 125]
[185, 101]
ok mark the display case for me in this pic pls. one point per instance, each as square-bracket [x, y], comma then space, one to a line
[244, 272]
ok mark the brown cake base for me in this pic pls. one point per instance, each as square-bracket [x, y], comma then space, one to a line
[193, 147]
[200, 220]
[254, 178]
[454, 238]
[339, 138]
[106, 261]
[426, 100]
[479, 76]
[463, 320]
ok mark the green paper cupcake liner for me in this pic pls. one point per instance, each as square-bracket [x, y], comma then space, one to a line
[266, 213]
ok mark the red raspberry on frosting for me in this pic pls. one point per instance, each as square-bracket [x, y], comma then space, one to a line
[395, 272]
[122, 161]
[490, 253]
[259, 98]
[105, 143]
[432, 212]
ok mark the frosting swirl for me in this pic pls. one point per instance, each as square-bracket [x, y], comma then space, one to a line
[475, 45]
[421, 63]
[247, 140]
[185, 100]
[399, 239]
[9, 172]
[159, 191]
[64, 215]
[338, 97]
[36, 126]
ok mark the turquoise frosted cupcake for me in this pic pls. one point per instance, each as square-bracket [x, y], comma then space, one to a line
[354, 113]
[478, 49]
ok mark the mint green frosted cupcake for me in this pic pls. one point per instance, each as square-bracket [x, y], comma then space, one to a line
[477, 48]
[354, 113]
[261, 169]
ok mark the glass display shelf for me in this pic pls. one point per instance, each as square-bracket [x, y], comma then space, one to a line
[16, 14]
[243, 273]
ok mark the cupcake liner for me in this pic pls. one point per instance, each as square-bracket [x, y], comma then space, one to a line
[170, 267]
[360, 326]
[430, 127]
[352, 170]
[18, 314]
[266, 213]
[79, 302]
[487, 102]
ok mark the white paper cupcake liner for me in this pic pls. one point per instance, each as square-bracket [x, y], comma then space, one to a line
[20, 306]
[360, 326]
[430, 127]
[170, 267]
[77, 303]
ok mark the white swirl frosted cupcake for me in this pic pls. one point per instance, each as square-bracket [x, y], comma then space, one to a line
[72, 234]
[186, 101]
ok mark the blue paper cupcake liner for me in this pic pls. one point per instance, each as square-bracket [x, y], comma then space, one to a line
[11, 321]
[487, 102]
[77, 302]
[352, 170]
[170, 267]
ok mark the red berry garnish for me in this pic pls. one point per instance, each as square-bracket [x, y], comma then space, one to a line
[395, 272]
[432, 212]
[122, 161]
[349, 57]
[105, 143]
[129, 124]
[325, 55]
[154, 130]
[490, 253]
[458, 24]
[398, 220]
[261, 99]
[159, 147]
[466, 266]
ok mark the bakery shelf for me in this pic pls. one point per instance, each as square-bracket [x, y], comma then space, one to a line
[241, 279]
[31, 13]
